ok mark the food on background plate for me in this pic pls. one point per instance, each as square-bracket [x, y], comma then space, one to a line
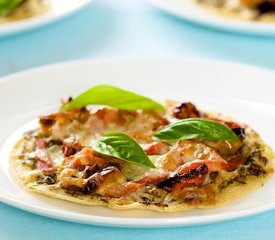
[254, 10]
[115, 148]
[13, 10]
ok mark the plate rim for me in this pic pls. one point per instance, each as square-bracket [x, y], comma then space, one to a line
[218, 23]
[92, 60]
[133, 222]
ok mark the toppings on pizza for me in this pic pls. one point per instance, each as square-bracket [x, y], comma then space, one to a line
[132, 153]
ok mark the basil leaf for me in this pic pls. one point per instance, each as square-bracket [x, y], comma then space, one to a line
[115, 97]
[195, 128]
[120, 145]
[6, 6]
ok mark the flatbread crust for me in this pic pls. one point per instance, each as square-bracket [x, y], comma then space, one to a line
[232, 190]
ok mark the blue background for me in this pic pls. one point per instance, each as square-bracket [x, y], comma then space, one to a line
[129, 29]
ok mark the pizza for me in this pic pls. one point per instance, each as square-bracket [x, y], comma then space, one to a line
[252, 10]
[169, 158]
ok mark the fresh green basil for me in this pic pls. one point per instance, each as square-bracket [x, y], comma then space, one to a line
[6, 6]
[120, 145]
[114, 97]
[195, 128]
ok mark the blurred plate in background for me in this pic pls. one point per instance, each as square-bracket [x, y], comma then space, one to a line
[187, 10]
[59, 9]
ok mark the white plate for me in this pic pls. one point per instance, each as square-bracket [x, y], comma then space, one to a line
[244, 92]
[187, 10]
[59, 9]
